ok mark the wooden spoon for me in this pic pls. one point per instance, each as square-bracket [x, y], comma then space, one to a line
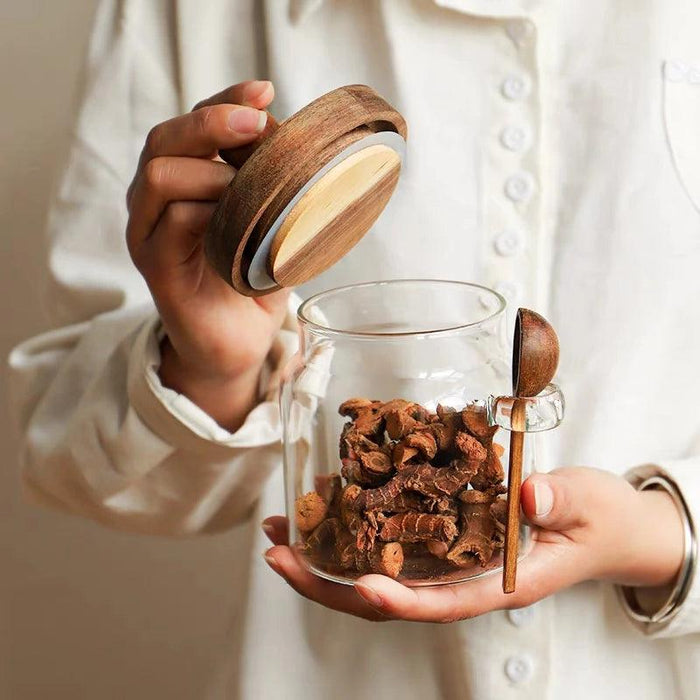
[535, 360]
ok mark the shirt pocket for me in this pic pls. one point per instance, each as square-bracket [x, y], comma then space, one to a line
[681, 105]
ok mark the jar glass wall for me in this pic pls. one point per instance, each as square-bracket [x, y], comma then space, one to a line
[409, 481]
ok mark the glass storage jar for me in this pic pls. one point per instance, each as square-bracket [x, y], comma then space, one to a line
[409, 481]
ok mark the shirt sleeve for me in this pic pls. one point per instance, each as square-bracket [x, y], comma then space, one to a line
[101, 437]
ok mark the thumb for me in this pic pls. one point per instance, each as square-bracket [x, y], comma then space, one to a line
[552, 501]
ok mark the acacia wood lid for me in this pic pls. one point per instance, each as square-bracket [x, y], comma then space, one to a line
[306, 191]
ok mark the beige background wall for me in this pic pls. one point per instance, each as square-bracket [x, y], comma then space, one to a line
[84, 613]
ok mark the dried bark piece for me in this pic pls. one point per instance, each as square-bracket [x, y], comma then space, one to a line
[404, 502]
[430, 481]
[366, 534]
[477, 525]
[325, 537]
[418, 527]
[346, 552]
[474, 497]
[377, 499]
[437, 549]
[349, 510]
[443, 506]
[399, 424]
[476, 422]
[470, 447]
[444, 411]
[354, 443]
[490, 472]
[444, 434]
[330, 487]
[400, 405]
[363, 529]
[452, 422]
[376, 462]
[424, 442]
[421, 414]
[351, 470]
[310, 510]
[332, 540]
[387, 559]
[355, 472]
[444, 481]
[352, 407]
[402, 454]
[369, 423]
[420, 503]
[497, 489]
[499, 511]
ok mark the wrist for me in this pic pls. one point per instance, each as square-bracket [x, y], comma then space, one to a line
[654, 607]
[227, 398]
[654, 551]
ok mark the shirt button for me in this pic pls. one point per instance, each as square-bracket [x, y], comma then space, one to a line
[515, 138]
[521, 616]
[519, 30]
[675, 71]
[515, 87]
[519, 187]
[510, 291]
[519, 669]
[509, 242]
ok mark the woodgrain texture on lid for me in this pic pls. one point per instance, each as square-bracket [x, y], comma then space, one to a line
[313, 220]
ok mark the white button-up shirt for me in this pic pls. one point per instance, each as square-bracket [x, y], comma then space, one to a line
[554, 154]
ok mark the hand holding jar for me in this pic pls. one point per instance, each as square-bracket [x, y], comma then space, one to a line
[590, 524]
[216, 339]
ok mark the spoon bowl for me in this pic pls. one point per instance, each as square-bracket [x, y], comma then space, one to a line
[535, 353]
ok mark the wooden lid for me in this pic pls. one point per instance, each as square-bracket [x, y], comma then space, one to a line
[306, 191]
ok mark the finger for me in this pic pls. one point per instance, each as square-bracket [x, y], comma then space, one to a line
[331, 595]
[276, 528]
[178, 235]
[167, 179]
[556, 501]
[202, 133]
[253, 93]
[442, 604]
[546, 570]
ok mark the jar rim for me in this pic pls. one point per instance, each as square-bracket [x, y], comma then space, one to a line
[316, 326]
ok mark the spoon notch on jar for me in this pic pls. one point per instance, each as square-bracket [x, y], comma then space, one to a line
[535, 361]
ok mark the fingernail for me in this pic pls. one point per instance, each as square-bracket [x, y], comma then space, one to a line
[271, 561]
[246, 120]
[544, 498]
[255, 90]
[268, 529]
[370, 595]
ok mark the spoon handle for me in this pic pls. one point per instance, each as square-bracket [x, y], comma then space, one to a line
[515, 475]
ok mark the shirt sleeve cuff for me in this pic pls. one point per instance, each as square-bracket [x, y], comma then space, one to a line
[180, 422]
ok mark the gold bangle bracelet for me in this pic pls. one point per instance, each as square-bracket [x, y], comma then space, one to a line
[653, 478]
